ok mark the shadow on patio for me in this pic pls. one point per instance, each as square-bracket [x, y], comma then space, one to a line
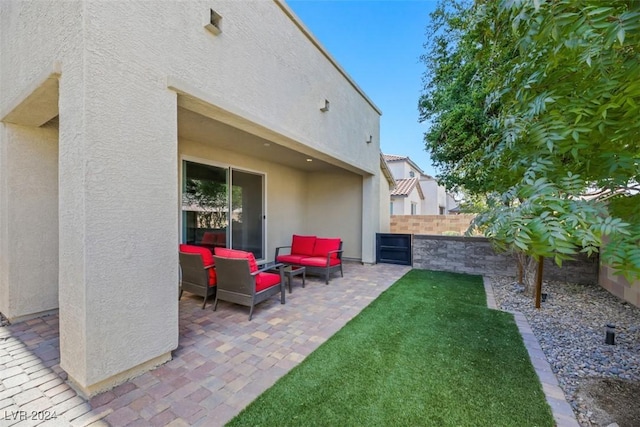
[222, 363]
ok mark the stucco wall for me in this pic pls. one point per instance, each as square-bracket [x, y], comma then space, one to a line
[29, 214]
[385, 197]
[399, 170]
[118, 222]
[282, 88]
[35, 34]
[430, 224]
[402, 204]
[334, 209]
[118, 151]
[414, 197]
[398, 206]
[474, 255]
[431, 197]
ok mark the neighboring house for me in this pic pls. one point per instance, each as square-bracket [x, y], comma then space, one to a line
[407, 198]
[416, 193]
[128, 127]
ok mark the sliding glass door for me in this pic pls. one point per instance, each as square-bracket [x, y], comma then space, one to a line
[222, 207]
[247, 225]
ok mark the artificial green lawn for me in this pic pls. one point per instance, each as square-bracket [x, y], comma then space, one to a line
[427, 352]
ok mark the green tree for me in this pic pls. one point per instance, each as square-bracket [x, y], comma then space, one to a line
[462, 65]
[456, 84]
[563, 150]
[568, 115]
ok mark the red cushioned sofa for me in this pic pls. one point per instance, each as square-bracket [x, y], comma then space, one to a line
[319, 255]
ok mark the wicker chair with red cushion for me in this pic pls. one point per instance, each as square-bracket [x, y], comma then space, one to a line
[241, 282]
[198, 275]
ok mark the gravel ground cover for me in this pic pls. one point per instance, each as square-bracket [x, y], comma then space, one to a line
[600, 381]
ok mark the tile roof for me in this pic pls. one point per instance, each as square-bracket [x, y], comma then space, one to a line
[404, 187]
[393, 157]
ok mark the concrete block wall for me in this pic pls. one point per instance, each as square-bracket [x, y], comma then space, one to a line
[475, 255]
[619, 286]
[430, 224]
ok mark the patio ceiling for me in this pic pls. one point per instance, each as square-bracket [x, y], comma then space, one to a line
[196, 127]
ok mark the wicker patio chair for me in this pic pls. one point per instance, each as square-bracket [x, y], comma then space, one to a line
[197, 273]
[239, 285]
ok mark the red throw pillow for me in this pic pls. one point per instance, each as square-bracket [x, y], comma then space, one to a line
[207, 259]
[324, 245]
[233, 253]
[302, 245]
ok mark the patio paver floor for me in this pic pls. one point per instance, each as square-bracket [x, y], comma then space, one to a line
[223, 361]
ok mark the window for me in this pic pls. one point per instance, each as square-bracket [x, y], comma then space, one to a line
[414, 208]
[391, 208]
[411, 174]
[222, 207]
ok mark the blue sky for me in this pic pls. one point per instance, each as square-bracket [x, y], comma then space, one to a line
[379, 43]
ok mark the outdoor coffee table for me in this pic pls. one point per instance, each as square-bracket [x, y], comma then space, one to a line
[293, 270]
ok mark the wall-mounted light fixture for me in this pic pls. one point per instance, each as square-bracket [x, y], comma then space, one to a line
[370, 140]
[214, 24]
[309, 159]
[326, 106]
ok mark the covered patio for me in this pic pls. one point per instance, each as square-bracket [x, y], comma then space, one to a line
[98, 144]
[222, 363]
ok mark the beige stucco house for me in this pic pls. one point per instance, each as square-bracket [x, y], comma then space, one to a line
[111, 113]
[416, 193]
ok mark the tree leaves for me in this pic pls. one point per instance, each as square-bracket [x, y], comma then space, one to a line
[560, 87]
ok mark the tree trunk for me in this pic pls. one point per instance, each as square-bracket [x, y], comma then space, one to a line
[529, 274]
[539, 281]
[520, 269]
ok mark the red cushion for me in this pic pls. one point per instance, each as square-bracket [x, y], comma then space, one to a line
[324, 245]
[290, 259]
[302, 245]
[319, 261]
[233, 253]
[208, 238]
[266, 280]
[221, 238]
[207, 259]
[213, 238]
